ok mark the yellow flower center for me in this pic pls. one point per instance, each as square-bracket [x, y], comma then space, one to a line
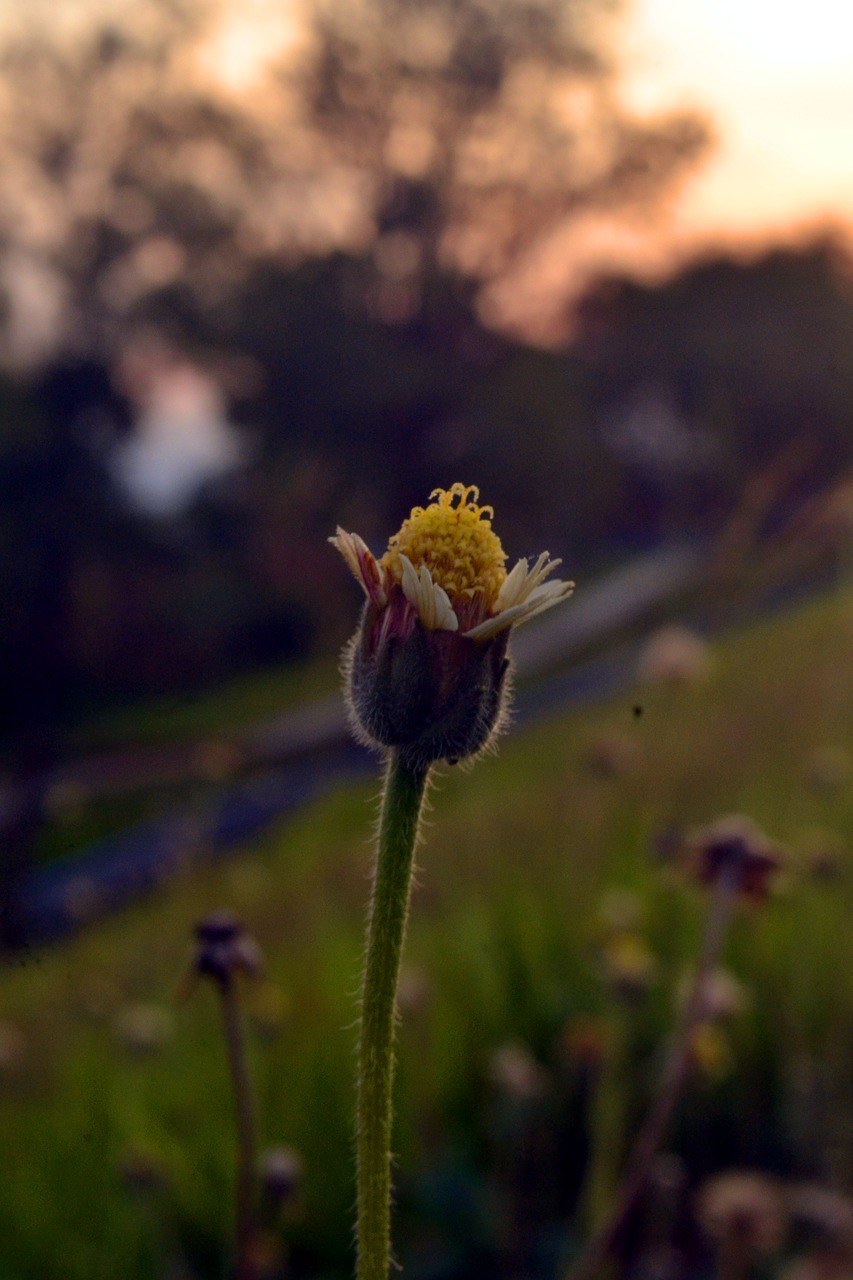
[453, 537]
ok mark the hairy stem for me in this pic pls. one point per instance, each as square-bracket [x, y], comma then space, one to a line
[405, 785]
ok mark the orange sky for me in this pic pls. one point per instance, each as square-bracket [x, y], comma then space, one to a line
[775, 78]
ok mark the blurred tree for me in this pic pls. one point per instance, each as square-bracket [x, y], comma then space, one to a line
[733, 365]
[479, 128]
[450, 138]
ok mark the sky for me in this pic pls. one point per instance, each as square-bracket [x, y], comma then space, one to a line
[775, 80]
[773, 77]
[776, 76]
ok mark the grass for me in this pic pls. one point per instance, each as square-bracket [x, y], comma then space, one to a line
[238, 702]
[505, 943]
[196, 720]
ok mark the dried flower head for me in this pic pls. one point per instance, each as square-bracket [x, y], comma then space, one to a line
[746, 1207]
[223, 948]
[629, 967]
[674, 656]
[281, 1175]
[823, 1218]
[736, 845]
[427, 668]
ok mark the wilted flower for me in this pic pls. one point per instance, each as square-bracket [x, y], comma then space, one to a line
[223, 948]
[281, 1173]
[145, 1028]
[629, 966]
[674, 656]
[736, 844]
[427, 667]
[744, 1207]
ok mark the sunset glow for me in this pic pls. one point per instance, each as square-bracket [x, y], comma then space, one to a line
[776, 78]
[775, 81]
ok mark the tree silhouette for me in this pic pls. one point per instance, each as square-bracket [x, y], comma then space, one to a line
[481, 126]
[443, 139]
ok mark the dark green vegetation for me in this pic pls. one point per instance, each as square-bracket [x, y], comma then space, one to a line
[504, 948]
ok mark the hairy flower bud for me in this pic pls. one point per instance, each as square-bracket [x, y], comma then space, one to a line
[427, 668]
[436, 693]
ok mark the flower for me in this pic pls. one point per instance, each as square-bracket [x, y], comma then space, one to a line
[223, 947]
[449, 566]
[736, 846]
[744, 1208]
[427, 668]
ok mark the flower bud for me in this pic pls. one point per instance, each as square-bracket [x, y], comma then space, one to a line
[223, 947]
[427, 669]
[436, 693]
[736, 844]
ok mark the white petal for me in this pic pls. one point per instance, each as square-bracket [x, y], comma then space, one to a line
[411, 583]
[522, 581]
[545, 598]
[500, 621]
[540, 599]
[362, 562]
[513, 585]
[431, 601]
[446, 619]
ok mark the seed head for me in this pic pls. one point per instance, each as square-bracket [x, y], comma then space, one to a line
[223, 948]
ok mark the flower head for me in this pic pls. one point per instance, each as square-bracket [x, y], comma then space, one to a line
[223, 948]
[428, 665]
[735, 845]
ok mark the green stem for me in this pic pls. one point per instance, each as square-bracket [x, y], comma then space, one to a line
[405, 785]
[244, 1113]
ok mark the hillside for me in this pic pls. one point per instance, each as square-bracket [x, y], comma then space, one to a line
[103, 1071]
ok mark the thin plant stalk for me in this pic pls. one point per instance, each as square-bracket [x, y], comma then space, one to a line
[608, 1124]
[405, 787]
[244, 1115]
[675, 1072]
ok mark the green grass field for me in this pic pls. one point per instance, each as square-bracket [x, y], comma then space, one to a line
[504, 949]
